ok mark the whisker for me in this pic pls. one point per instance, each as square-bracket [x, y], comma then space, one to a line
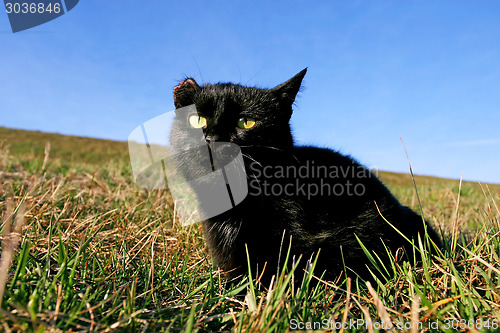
[272, 148]
[252, 159]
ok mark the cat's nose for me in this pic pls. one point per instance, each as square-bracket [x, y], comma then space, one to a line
[210, 138]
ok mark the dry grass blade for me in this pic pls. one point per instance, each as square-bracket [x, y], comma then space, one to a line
[454, 227]
[415, 314]
[347, 305]
[437, 304]
[252, 305]
[495, 205]
[413, 179]
[46, 155]
[9, 243]
[366, 313]
[481, 260]
[381, 311]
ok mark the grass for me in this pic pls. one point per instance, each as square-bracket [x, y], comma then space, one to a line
[93, 252]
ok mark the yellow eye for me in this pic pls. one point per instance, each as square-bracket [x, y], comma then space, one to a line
[197, 121]
[246, 123]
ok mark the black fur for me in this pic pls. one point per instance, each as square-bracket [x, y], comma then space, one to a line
[264, 221]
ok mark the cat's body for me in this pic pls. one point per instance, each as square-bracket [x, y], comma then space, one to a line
[316, 197]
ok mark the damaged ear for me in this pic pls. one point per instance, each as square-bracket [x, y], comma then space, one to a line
[288, 90]
[183, 92]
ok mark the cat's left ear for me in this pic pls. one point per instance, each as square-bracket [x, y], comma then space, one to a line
[183, 92]
[288, 90]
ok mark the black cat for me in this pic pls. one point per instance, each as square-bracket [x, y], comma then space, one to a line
[322, 199]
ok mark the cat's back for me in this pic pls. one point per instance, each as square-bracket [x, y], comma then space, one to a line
[323, 156]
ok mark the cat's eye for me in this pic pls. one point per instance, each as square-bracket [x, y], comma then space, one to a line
[197, 121]
[246, 123]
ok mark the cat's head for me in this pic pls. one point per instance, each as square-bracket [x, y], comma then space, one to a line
[246, 116]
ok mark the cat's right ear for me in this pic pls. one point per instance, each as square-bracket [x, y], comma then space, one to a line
[288, 90]
[184, 91]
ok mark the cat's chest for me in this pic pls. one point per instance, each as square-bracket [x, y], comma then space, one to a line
[264, 214]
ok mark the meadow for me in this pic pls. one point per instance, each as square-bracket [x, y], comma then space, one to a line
[85, 249]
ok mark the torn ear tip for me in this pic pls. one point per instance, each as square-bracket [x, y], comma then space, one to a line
[187, 82]
[190, 81]
[185, 86]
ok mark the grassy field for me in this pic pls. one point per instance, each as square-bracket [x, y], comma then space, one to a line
[93, 252]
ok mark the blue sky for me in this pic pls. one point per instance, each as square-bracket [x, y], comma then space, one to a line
[426, 71]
